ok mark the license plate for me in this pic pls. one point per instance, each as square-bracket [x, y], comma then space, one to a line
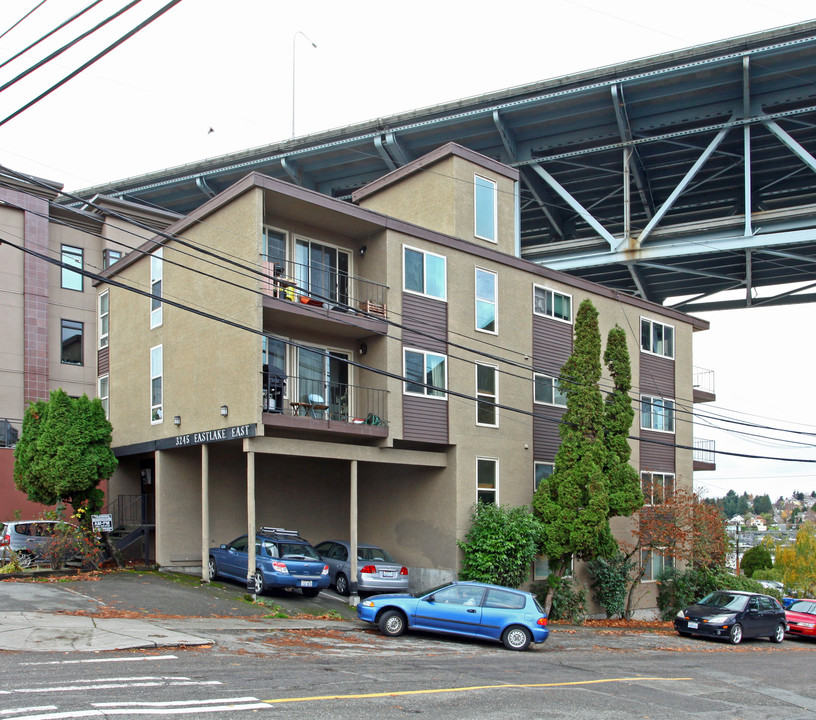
[692, 625]
[388, 573]
[305, 583]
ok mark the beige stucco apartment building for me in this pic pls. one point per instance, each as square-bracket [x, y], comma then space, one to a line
[361, 370]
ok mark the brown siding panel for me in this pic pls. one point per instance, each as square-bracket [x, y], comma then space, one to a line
[656, 376]
[425, 323]
[552, 344]
[546, 436]
[102, 362]
[425, 420]
[654, 456]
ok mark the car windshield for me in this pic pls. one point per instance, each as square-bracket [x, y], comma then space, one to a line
[373, 553]
[725, 601]
[803, 606]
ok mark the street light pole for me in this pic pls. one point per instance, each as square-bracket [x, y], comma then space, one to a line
[294, 38]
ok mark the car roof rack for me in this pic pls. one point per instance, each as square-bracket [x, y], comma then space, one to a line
[279, 531]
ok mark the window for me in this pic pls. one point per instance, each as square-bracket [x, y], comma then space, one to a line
[424, 273]
[103, 319]
[70, 279]
[543, 470]
[109, 257]
[487, 480]
[654, 561]
[274, 373]
[656, 414]
[323, 378]
[103, 391]
[425, 368]
[487, 395]
[486, 301]
[484, 203]
[657, 487]
[71, 353]
[656, 338]
[541, 568]
[275, 246]
[547, 390]
[552, 304]
[156, 271]
[322, 271]
[156, 385]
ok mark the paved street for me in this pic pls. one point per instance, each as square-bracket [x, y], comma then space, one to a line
[344, 669]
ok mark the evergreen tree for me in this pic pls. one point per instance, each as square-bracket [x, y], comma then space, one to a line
[64, 452]
[573, 503]
[762, 505]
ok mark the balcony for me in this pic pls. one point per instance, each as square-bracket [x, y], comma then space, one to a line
[703, 385]
[704, 455]
[307, 403]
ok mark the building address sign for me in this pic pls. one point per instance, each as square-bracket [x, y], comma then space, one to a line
[236, 432]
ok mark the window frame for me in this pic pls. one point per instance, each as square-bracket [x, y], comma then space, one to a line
[339, 279]
[108, 254]
[541, 567]
[425, 255]
[284, 235]
[649, 554]
[537, 464]
[555, 391]
[553, 293]
[156, 287]
[81, 328]
[157, 418]
[104, 398]
[494, 302]
[68, 256]
[493, 398]
[669, 413]
[482, 205]
[103, 320]
[651, 324]
[649, 498]
[480, 490]
[426, 391]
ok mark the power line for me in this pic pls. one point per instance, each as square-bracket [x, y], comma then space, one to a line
[36, 7]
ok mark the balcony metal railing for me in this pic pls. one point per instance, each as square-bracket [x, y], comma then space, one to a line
[703, 380]
[324, 285]
[704, 451]
[324, 400]
[130, 511]
[8, 434]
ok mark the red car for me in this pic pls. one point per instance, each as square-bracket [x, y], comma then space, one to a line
[801, 617]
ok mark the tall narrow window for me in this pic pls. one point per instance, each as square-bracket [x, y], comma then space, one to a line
[156, 384]
[103, 391]
[425, 368]
[543, 470]
[485, 208]
[275, 247]
[486, 282]
[656, 338]
[424, 273]
[70, 279]
[487, 480]
[71, 352]
[487, 395]
[104, 299]
[551, 303]
[156, 271]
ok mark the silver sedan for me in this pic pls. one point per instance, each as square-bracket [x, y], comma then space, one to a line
[377, 571]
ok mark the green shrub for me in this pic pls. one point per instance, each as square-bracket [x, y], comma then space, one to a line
[757, 558]
[678, 589]
[569, 600]
[611, 582]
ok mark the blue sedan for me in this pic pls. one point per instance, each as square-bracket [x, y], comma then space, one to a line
[469, 609]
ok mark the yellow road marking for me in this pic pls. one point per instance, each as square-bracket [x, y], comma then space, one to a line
[466, 689]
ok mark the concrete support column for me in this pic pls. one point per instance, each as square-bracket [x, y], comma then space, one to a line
[205, 512]
[354, 598]
[251, 522]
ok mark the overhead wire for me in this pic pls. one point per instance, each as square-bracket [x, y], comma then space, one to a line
[36, 7]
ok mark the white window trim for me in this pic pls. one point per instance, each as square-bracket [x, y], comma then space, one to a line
[495, 185]
[160, 406]
[536, 463]
[653, 323]
[494, 302]
[541, 402]
[495, 491]
[103, 338]
[553, 317]
[650, 400]
[274, 229]
[157, 265]
[488, 398]
[424, 393]
[425, 253]
[650, 551]
[104, 399]
[649, 502]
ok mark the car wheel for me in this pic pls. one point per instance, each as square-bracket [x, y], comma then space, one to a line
[341, 584]
[779, 635]
[516, 638]
[392, 623]
[310, 592]
[735, 635]
[259, 582]
[212, 569]
[24, 559]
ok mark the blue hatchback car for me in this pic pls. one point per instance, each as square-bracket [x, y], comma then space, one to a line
[470, 609]
[283, 559]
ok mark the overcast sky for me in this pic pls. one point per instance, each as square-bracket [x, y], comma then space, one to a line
[227, 66]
